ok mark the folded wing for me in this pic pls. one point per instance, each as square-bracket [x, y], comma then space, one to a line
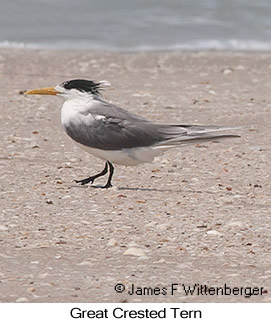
[113, 128]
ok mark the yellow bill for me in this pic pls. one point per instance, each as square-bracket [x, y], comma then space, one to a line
[43, 91]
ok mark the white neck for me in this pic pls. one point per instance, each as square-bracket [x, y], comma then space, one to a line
[76, 107]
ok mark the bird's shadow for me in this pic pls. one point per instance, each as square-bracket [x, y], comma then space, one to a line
[145, 189]
[168, 190]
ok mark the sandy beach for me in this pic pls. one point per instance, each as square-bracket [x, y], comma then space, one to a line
[197, 215]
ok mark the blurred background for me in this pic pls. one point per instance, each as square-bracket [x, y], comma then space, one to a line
[132, 25]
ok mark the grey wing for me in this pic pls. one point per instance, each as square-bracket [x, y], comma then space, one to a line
[110, 110]
[113, 128]
[111, 133]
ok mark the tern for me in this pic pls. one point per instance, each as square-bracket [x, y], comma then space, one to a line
[115, 135]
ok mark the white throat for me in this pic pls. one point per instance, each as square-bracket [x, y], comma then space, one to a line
[76, 107]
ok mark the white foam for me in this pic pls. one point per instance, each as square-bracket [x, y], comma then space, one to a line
[208, 44]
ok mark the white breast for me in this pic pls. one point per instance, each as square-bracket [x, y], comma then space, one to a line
[73, 111]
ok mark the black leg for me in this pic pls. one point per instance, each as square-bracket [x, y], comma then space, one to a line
[111, 172]
[92, 178]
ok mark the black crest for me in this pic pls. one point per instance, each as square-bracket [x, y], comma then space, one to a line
[83, 86]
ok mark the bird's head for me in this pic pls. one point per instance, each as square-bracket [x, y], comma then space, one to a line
[73, 88]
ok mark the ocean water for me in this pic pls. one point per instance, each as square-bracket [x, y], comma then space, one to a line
[132, 25]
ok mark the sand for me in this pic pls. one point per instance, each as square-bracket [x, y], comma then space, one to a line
[197, 215]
